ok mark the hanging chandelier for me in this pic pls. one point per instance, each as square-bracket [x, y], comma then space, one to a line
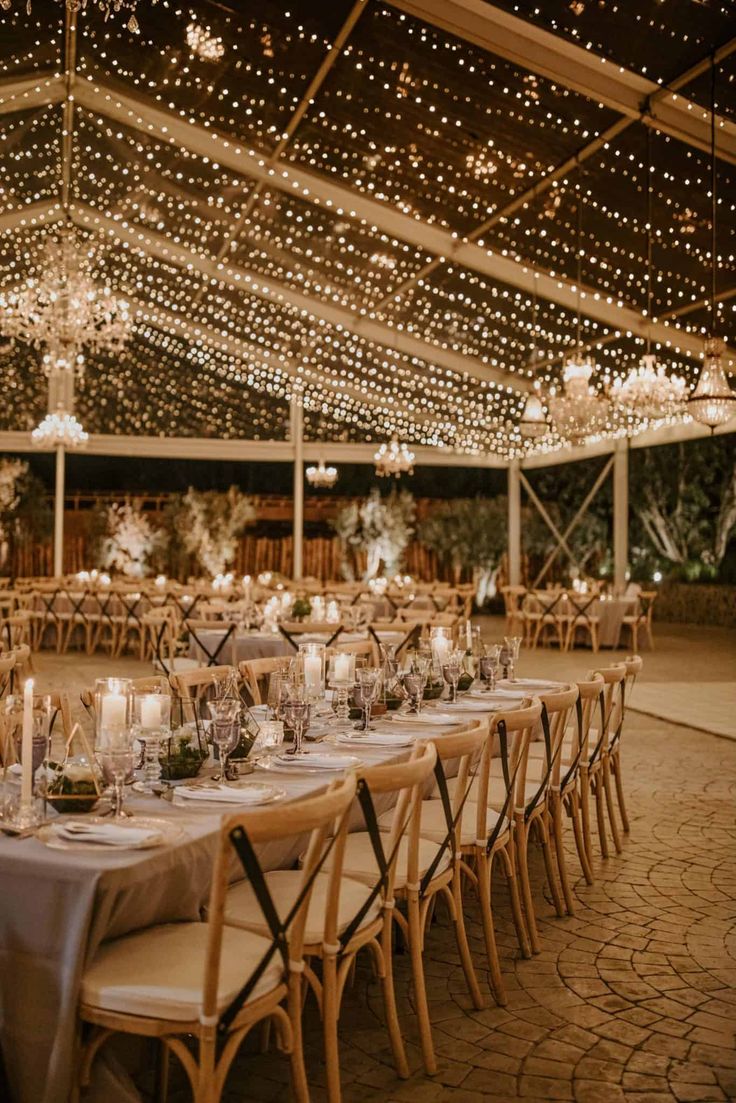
[394, 459]
[59, 430]
[108, 8]
[579, 411]
[62, 310]
[648, 392]
[712, 402]
[322, 477]
[533, 421]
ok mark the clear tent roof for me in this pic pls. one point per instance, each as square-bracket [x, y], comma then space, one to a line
[373, 244]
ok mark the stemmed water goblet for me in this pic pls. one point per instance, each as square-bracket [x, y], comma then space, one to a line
[451, 671]
[225, 729]
[413, 686]
[296, 715]
[513, 647]
[488, 665]
[116, 755]
[366, 691]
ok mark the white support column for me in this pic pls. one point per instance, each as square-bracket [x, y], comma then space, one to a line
[59, 512]
[514, 495]
[297, 439]
[620, 514]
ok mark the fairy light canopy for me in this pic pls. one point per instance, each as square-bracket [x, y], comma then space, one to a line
[362, 202]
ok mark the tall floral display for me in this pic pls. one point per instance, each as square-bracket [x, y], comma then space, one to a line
[11, 471]
[130, 543]
[381, 528]
[209, 523]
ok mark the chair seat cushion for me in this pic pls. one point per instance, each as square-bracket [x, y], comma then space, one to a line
[360, 860]
[159, 972]
[243, 908]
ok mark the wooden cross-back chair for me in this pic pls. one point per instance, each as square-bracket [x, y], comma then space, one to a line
[488, 823]
[255, 674]
[354, 914]
[640, 621]
[608, 721]
[213, 982]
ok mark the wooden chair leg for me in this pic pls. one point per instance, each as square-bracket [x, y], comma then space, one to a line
[330, 1012]
[585, 784]
[509, 860]
[483, 866]
[521, 841]
[608, 790]
[600, 814]
[542, 822]
[577, 829]
[617, 777]
[420, 988]
[389, 999]
[461, 937]
[299, 1085]
[557, 829]
[162, 1072]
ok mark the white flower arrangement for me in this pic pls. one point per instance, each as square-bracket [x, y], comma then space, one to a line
[130, 542]
[209, 525]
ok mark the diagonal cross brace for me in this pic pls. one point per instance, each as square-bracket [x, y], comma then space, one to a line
[562, 538]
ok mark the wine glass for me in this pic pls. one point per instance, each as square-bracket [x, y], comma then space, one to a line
[488, 664]
[413, 687]
[115, 753]
[296, 715]
[366, 691]
[513, 645]
[451, 671]
[225, 729]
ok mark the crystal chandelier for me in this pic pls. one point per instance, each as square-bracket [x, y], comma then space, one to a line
[322, 477]
[107, 7]
[712, 402]
[394, 458]
[533, 422]
[59, 430]
[62, 310]
[578, 412]
[648, 392]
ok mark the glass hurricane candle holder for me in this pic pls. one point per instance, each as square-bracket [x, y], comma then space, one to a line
[313, 665]
[151, 724]
[113, 698]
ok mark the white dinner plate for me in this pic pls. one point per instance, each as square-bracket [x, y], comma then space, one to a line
[310, 761]
[234, 794]
[436, 719]
[163, 833]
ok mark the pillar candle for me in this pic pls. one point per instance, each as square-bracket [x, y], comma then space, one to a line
[313, 671]
[150, 711]
[342, 668]
[113, 710]
[26, 785]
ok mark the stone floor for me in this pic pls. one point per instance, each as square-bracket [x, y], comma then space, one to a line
[632, 999]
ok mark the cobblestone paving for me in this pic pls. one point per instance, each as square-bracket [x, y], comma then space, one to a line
[632, 999]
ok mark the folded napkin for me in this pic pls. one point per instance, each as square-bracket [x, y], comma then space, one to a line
[252, 793]
[377, 739]
[531, 683]
[427, 718]
[471, 706]
[312, 760]
[107, 834]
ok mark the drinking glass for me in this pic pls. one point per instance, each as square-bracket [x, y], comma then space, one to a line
[451, 671]
[488, 664]
[513, 645]
[115, 753]
[413, 685]
[366, 691]
[225, 729]
[296, 715]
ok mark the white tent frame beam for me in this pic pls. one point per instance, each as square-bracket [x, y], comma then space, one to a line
[163, 125]
[153, 244]
[25, 93]
[554, 58]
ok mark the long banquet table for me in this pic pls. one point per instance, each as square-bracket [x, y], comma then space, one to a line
[242, 646]
[57, 907]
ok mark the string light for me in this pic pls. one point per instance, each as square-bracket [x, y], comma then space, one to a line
[430, 102]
